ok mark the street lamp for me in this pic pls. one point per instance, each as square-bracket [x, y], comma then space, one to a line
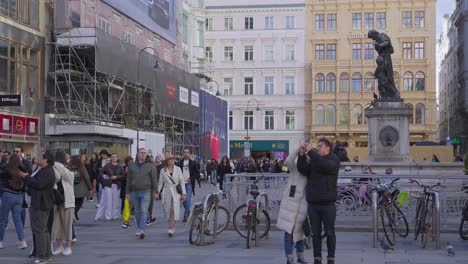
[217, 86]
[248, 123]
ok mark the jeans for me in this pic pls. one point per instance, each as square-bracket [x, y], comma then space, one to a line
[186, 203]
[213, 177]
[326, 215]
[99, 192]
[140, 201]
[13, 202]
[23, 210]
[289, 243]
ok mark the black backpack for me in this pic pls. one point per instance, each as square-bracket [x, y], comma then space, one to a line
[59, 194]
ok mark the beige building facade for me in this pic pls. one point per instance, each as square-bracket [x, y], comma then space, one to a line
[343, 64]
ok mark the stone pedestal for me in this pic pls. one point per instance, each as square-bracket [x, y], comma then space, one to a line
[389, 131]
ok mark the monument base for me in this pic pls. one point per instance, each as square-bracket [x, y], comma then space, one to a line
[388, 123]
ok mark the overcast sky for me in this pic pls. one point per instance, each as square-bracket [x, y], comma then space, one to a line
[443, 7]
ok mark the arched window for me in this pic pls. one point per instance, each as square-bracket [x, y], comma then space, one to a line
[331, 83]
[319, 115]
[319, 83]
[369, 82]
[357, 82]
[357, 115]
[411, 119]
[365, 118]
[344, 82]
[396, 78]
[331, 115]
[420, 114]
[408, 81]
[420, 82]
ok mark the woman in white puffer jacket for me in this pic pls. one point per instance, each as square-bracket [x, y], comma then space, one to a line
[293, 211]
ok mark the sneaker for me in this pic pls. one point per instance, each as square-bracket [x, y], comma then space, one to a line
[1, 244]
[148, 222]
[22, 244]
[91, 199]
[126, 225]
[138, 233]
[74, 240]
[142, 235]
[58, 251]
[170, 232]
[317, 261]
[67, 251]
[185, 219]
[97, 205]
[331, 261]
[42, 261]
[301, 259]
[153, 220]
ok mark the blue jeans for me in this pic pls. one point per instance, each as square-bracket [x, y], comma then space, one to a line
[99, 192]
[140, 201]
[289, 244]
[13, 202]
[213, 177]
[186, 203]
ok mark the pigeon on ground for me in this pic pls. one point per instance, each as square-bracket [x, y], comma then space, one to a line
[385, 246]
[450, 250]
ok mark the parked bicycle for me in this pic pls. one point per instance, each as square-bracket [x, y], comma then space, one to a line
[204, 215]
[425, 208]
[248, 217]
[393, 219]
[463, 231]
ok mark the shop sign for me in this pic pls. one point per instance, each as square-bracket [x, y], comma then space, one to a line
[11, 100]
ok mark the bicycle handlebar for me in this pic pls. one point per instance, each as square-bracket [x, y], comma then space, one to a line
[426, 186]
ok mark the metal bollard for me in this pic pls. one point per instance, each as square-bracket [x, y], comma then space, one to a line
[436, 219]
[375, 219]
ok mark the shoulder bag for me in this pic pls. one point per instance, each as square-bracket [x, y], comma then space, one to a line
[59, 194]
[178, 186]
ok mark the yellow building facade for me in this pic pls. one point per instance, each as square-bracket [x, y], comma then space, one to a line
[343, 64]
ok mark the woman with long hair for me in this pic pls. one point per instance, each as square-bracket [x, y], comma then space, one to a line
[82, 184]
[12, 199]
[111, 178]
[224, 168]
[171, 176]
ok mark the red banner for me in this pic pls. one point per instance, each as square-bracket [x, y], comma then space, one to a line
[171, 91]
[6, 123]
[19, 125]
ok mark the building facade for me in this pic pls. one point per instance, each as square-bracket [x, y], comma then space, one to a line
[192, 40]
[257, 55]
[23, 27]
[343, 64]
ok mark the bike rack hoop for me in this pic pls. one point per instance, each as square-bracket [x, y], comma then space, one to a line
[267, 206]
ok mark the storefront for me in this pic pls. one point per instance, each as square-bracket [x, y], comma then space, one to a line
[18, 130]
[272, 149]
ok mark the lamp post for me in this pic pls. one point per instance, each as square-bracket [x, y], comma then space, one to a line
[248, 123]
[139, 85]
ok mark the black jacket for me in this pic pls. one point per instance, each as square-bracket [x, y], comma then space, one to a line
[41, 188]
[341, 153]
[322, 176]
[194, 172]
[223, 170]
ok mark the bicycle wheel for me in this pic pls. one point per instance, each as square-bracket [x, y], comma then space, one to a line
[401, 225]
[263, 222]
[386, 217]
[223, 221]
[417, 222]
[426, 231]
[463, 232]
[195, 229]
[239, 220]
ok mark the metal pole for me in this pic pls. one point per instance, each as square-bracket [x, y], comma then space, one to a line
[436, 219]
[215, 231]
[375, 219]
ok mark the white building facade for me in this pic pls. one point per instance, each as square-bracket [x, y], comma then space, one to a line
[255, 53]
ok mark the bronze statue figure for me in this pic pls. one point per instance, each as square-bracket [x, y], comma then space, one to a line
[384, 71]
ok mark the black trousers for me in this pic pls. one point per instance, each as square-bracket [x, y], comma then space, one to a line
[323, 215]
[41, 228]
[78, 204]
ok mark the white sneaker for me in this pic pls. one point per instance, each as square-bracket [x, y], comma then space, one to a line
[138, 233]
[1, 244]
[22, 244]
[67, 251]
[74, 240]
[58, 251]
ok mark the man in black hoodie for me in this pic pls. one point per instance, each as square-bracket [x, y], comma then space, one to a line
[321, 167]
[340, 152]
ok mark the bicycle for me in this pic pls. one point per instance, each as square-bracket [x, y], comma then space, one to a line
[246, 218]
[390, 214]
[424, 212]
[200, 217]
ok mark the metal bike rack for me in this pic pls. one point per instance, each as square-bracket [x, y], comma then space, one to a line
[375, 219]
[436, 220]
[205, 208]
[267, 206]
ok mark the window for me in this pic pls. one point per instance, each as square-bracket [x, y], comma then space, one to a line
[290, 22]
[228, 23]
[419, 19]
[344, 82]
[420, 114]
[290, 120]
[406, 17]
[411, 119]
[368, 51]
[319, 115]
[320, 52]
[357, 51]
[208, 53]
[419, 50]
[407, 50]
[104, 25]
[200, 4]
[320, 22]
[357, 115]
[185, 28]
[248, 85]
[269, 54]
[200, 34]
[228, 86]
[248, 22]
[248, 53]
[24, 11]
[269, 120]
[150, 44]
[357, 20]
[290, 52]
[408, 81]
[319, 83]
[269, 22]
[228, 53]
[128, 37]
[368, 20]
[344, 114]
[331, 115]
[369, 82]
[290, 85]
[357, 82]
[331, 22]
[331, 51]
[420, 82]
[248, 120]
[331, 83]
[209, 24]
[269, 85]
[381, 20]
[230, 120]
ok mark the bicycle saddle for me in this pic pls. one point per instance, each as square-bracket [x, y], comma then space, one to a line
[254, 193]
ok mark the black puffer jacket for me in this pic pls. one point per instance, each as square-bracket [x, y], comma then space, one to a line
[322, 176]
